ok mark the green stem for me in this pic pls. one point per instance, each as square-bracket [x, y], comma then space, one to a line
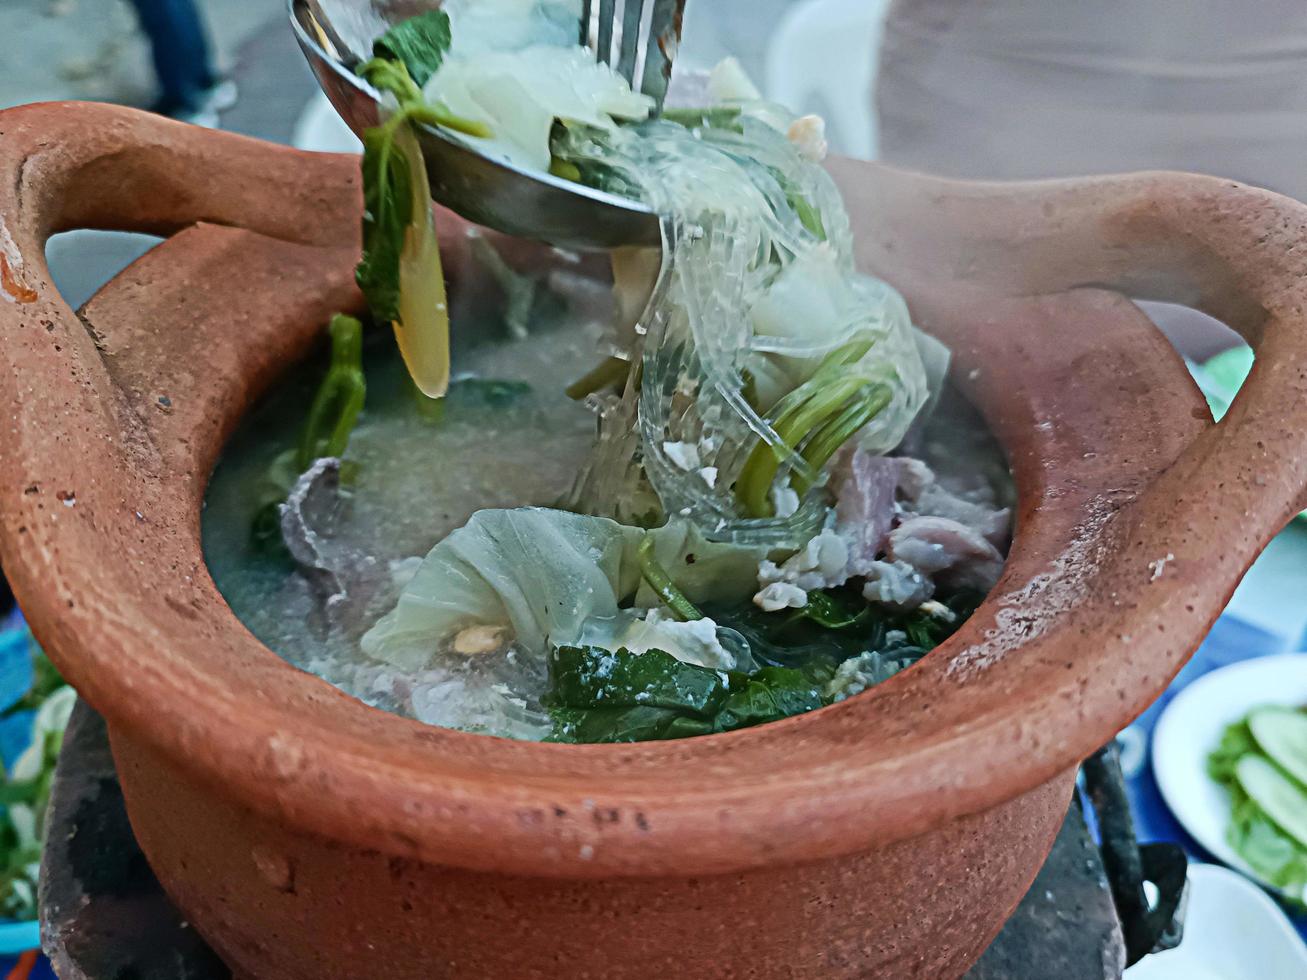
[653, 573]
[339, 400]
[721, 117]
[391, 76]
[824, 442]
[793, 426]
[437, 115]
[794, 416]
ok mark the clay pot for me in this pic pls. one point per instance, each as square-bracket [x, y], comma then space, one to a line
[308, 836]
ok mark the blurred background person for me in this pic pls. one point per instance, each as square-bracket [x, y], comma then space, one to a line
[189, 87]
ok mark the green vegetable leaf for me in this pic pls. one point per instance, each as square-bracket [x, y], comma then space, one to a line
[1236, 742]
[592, 677]
[387, 210]
[420, 42]
[771, 694]
[639, 723]
[598, 695]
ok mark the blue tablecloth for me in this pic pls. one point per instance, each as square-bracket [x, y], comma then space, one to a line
[1231, 640]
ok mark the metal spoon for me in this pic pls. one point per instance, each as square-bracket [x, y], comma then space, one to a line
[336, 35]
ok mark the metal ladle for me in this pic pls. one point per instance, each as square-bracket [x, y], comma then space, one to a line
[336, 35]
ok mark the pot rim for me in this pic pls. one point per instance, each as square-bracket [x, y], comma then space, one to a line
[168, 663]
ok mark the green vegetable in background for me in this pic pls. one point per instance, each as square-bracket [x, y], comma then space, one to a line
[598, 695]
[1282, 735]
[1270, 848]
[25, 790]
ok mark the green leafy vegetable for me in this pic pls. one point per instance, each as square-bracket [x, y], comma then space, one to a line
[814, 419]
[545, 575]
[652, 571]
[838, 624]
[333, 413]
[387, 210]
[420, 43]
[25, 790]
[698, 117]
[400, 273]
[339, 400]
[592, 677]
[597, 695]
[1267, 846]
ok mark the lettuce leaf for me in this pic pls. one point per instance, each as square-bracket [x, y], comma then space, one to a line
[546, 575]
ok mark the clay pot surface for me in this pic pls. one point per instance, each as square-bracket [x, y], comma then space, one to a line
[889, 835]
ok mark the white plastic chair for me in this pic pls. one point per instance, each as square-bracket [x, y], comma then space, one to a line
[823, 58]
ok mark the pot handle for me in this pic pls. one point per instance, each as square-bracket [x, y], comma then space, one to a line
[1239, 254]
[1235, 252]
[76, 165]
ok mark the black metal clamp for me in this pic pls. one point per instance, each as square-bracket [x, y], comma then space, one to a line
[1148, 927]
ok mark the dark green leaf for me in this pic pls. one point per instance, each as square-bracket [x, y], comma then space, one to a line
[420, 42]
[831, 610]
[601, 696]
[591, 677]
[638, 723]
[770, 694]
[387, 208]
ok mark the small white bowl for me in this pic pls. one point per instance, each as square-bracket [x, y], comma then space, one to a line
[1232, 931]
[1191, 726]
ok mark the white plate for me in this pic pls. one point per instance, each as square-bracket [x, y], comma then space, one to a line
[1232, 931]
[1191, 726]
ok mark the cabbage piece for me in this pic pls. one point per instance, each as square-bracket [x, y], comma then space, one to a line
[543, 575]
[519, 94]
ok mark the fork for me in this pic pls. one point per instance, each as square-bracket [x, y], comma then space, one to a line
[662, 21]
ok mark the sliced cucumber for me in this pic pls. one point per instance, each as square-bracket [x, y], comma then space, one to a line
[1280, 797]
[1282, 734]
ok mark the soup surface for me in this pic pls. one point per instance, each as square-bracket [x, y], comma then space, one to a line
[506, 436]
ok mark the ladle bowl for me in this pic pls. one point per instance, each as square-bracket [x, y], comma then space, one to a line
[496, 193]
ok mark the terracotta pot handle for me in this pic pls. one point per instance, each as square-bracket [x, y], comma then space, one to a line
[105, 167]
[1235, 252]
